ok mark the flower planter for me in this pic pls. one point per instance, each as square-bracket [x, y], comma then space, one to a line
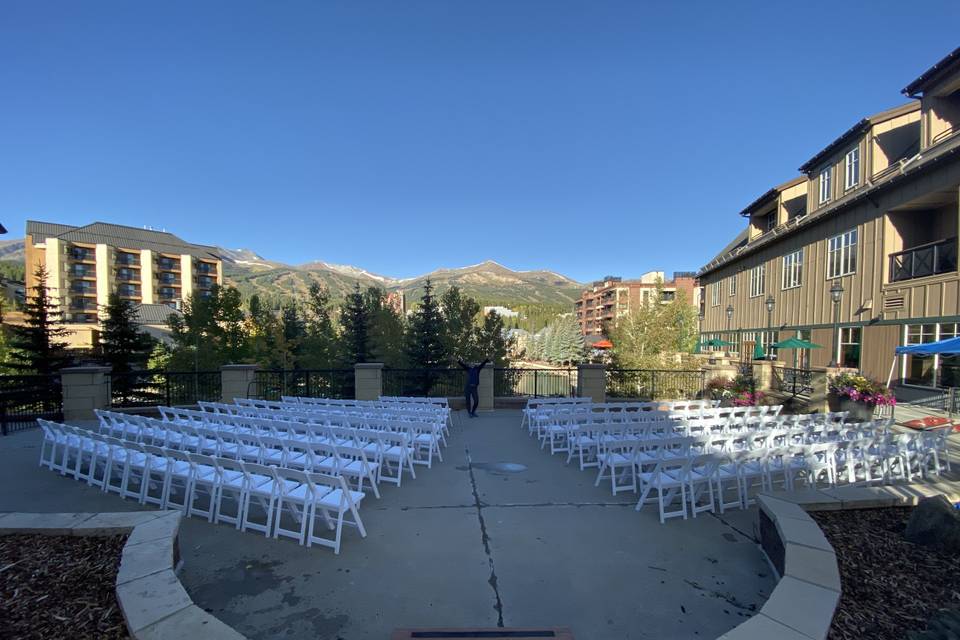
[856, 410]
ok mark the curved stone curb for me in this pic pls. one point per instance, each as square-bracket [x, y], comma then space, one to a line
[154, 603]
[802, 605]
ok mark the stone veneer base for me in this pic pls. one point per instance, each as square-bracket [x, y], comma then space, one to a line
[154, 603]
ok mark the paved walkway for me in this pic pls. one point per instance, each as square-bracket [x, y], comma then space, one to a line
[462, 545]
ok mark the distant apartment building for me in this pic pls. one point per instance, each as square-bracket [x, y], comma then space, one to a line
[86, 264]
[859, 253]
[503, 312]
[397, 300]
[613, 297]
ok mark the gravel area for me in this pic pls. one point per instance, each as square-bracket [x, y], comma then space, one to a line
[890, 586]
[60, 587]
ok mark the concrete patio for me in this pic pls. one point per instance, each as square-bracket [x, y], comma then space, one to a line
[462, 545]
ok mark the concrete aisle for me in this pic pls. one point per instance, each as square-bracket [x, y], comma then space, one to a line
[465, 544]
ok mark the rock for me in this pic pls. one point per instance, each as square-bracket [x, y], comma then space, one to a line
[935, 522]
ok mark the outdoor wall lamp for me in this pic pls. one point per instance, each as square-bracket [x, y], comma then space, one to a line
[729, 317]
[836, 294]
[771, 303]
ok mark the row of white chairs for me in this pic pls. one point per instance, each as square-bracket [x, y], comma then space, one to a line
[171, 478]
[543, 408]
[425, 436]
[333, 451]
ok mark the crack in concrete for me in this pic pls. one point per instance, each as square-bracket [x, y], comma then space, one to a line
[509, 505]
[726, 597]
[492, 581]
[745, 535]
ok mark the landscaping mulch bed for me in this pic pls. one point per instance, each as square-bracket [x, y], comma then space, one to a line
[889, 586]
[60, 587]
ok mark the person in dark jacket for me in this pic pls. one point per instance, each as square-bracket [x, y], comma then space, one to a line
[473, 381]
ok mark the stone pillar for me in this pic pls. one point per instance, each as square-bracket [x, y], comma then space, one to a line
[368, 380]
[720, 370]
[818, 397]
[592, 382]
[763, 375]
[485, 389]
[236, 381]
[84, 389]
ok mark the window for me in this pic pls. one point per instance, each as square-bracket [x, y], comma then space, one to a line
[715, 294]
[826, 180]
[852, 165]
[842, 254]
[770, 221]
[793, 269]
[732, 285]
[758, 280]
[849, 355]
[933, 370]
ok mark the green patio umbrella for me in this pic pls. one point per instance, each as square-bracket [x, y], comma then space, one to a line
[758, 353]
[714, 342]
[796, 343]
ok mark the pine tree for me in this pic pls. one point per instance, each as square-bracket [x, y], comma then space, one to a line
[424, 346]
[122, 345]
[355, 324]
[321, 345]
[37, 346]
[459, 325]
[386, 329]
[491, 342]
[213, 331]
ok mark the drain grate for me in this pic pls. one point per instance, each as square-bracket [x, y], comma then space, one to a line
[450, 634]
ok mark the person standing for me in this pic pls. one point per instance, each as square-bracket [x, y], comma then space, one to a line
[473, 381]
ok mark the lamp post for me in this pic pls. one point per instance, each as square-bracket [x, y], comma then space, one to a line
[836, 294]
[729, 317]
[771, 303]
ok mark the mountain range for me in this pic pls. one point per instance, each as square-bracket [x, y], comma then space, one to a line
[488, 282]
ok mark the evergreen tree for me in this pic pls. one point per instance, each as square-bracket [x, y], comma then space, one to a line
[424, 345]
[320, 349]
[386, 329]
[355, 324]
[37, 346]
[123, 346]
[491, 341]
[459, 325]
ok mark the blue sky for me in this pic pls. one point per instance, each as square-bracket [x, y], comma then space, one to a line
[589, 138]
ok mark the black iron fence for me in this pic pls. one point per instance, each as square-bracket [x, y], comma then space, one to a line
[797, 382]
[23, 399]
[167, 388]
[312, 383]
[534, 383]
[436, 383]
[924, 260]
[655, 384]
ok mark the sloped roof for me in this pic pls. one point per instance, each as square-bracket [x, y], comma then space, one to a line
[156, 314]
[768, 195]
[117, 235]
[856, 130]
[920, 85]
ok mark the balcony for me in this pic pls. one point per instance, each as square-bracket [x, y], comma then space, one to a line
[169, 279]
[164, 264]
[83, 288]
[127, 260]
[206, 268]
[128, 275]
[81, 271]
[81, 255]
[128, 291]
[82, 318]
[205, 282]
[82, 304]
[167, 294]
[925, 260]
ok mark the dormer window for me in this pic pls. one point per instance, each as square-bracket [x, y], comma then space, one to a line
[826, 183]
[770, 221]
[852, 166]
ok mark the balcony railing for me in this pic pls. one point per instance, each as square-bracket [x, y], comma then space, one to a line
[128, 260]
[82, 271]
[925, 260]
[168, 279]
[81, 254]
[205, 268]
[82, 290]
[128, 275]
[129, 292]
[205, 283]
[168, 265]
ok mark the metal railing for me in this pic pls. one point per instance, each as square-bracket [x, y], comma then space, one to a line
[796, 382]
[308, 383]
[926, 260]
[655, 384]
[167, 388]
[23, 399]
[435, 383]
[508, 383]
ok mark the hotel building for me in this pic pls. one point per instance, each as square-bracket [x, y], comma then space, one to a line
[859, 252]
[86, 264]
[608, 299]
